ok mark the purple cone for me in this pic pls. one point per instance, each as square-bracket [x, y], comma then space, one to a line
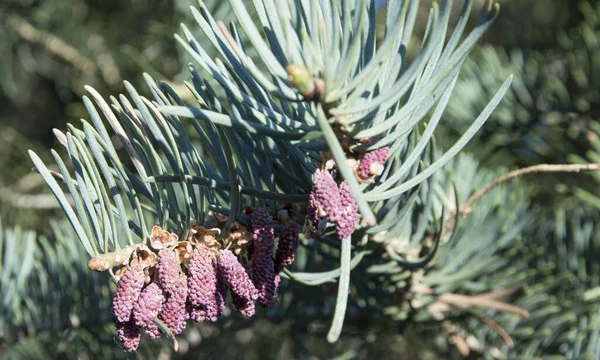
[263, 269]
[345, 225]
[174, 313]
[129, 335]
[152, 331]
[202, 287]
[312, 211]
[167, 270]
[326, 196]
[287, 246]
[313, 224]
[148, 305]
[372, 163]
[237, 280]
[128, 292]
[221, 294]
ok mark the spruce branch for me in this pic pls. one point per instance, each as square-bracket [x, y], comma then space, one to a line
[315, 98]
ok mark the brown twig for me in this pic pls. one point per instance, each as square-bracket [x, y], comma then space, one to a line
[464, 302]
[52, 44]
[453, 333]
[497, 294]
[540, 168]
[488, 5]
[56, 175]
[499, 329]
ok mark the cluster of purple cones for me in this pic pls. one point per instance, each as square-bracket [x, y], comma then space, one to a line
[173, 281]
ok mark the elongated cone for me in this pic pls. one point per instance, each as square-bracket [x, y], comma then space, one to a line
[326, 195]
[128, 291]
[174, 313]
[313, 224]
[263, 269]
[148, 305]
[221, 294]
[236, 278]
[372, 163]
[287, 246]
[152, 331]
[345, 225]
[167, 270]
[129, 335]
[202, 286]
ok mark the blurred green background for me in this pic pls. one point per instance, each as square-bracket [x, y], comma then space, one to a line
[50, 49]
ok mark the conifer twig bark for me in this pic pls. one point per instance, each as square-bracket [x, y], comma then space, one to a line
[499, 329]
[540, 168]
[52, 44]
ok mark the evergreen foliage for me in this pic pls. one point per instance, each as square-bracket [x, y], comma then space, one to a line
[281, 91]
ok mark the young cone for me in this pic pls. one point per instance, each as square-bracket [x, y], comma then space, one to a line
[263, 269]
[174, 313]
[326, 196]
[152, 331]
[345, 225]
[148, 305]
[202, 287]
[167, 270]
[236, 278]
[287, 246]
[129, 335]
[128, 291]
[372, 163]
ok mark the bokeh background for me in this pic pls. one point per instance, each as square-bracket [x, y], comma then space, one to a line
[50, 49]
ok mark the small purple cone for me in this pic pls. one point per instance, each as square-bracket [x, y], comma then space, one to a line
[128, 292]
[312, 211]
[129, 335]
[345, 225]
[287, 246]
[237, 280]
[167, 270]
[148, 305]
[221, 294]
[174, 312]
[326, 195]
[202, 287]
[244, 306]
[263, 270]
[375, 157]
[312, 222]
[152, 331]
